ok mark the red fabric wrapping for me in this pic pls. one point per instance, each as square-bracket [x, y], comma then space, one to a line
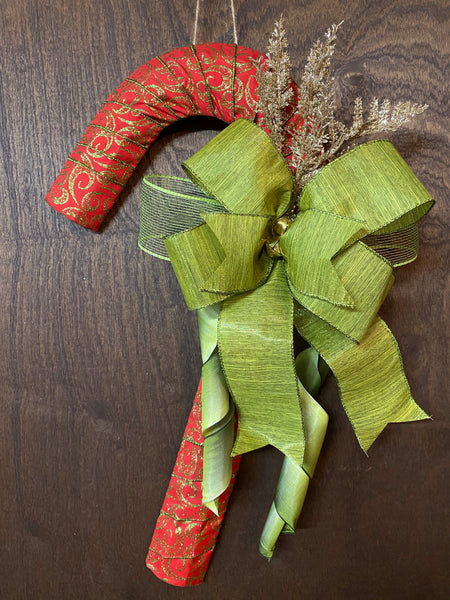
[215, 80]
[186, 532]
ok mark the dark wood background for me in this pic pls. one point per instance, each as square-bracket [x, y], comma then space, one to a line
[100, 359]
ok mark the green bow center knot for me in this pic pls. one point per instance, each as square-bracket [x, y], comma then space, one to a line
[257, 274]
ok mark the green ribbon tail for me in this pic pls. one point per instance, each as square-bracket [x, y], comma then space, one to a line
[294, 480]
[255, 336]
[217, 413]
[373, 387]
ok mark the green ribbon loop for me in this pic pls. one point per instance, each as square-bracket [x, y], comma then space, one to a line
[325, 265]
[371, 183]
[318, 237]
[219, 167]
[245, 265]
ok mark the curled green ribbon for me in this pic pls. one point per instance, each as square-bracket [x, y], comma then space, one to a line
[326, 272]
[293, 483]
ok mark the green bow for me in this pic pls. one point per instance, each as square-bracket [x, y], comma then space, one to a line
[230, 243]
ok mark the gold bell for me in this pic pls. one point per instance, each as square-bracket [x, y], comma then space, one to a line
[281, 225]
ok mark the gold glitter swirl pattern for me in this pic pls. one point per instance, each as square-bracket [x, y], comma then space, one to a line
[186, 531]
[208, 79]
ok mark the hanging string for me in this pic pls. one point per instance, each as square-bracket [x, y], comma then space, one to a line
[233, 17]
[197, 10]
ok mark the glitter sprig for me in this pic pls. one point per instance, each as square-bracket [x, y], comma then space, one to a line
[314, 136]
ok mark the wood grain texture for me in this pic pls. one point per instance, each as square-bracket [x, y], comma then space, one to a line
[100, 358]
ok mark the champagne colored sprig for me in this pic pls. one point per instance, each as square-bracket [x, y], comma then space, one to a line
[275, 93]
[316, 107]
[314, 136]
